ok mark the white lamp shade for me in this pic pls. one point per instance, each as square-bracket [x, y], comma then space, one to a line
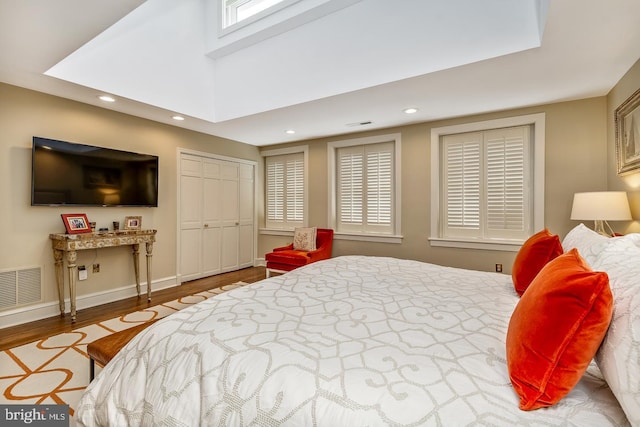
[603, 205]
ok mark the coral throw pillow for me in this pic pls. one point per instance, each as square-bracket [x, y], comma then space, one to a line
[556, 329]
[304, 239]
[534, 254]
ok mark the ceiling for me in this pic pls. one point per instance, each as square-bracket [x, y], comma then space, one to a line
[318, 67]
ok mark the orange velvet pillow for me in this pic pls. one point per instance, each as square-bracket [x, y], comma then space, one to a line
[534, 254]
[556, 329]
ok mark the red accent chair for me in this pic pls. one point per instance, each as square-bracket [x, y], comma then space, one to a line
[286, 258]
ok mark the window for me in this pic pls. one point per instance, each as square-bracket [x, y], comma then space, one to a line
[364, 186]
[239, 10]
[285, 189]
[488, 189]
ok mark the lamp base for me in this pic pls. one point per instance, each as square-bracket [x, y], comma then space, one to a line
[598, 227]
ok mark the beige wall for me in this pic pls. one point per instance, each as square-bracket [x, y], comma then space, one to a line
[627, 86]
[25, 228]
[579, 157]
[575, 161]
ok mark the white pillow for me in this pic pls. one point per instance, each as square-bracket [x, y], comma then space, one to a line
[619, 355]
[588, 242]
[304, 239]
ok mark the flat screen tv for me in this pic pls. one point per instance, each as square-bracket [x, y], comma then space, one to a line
[69, 174]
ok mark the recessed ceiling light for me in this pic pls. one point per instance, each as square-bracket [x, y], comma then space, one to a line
[411, 110]
[290, 131]
[178, 118]
[107, 98]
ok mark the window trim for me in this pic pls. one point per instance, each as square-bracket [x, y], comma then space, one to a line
[332, 149]
[538, 122]
[304, 149]
[226, 27]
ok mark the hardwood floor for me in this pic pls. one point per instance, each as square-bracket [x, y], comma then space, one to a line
[28, 332]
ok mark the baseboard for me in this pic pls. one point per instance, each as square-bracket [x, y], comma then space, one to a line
[45, 310]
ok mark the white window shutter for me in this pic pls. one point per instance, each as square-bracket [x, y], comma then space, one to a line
[284, 190]
[275, 190]
[379, 185]
[295, 189]
[485, 184]
[350, 185]
[462, 177]
[507, 178]
[365, 186]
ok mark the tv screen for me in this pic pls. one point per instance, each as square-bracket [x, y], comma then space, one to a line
[69, 174]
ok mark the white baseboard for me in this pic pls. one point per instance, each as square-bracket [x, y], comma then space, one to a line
[45, 310]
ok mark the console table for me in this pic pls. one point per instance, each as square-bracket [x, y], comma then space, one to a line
[70, 243]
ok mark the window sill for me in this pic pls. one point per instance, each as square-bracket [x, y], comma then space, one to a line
[380, 238]
[490, 245]
[276, 231]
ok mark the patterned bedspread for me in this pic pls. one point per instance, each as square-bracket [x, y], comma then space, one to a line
[350, 341]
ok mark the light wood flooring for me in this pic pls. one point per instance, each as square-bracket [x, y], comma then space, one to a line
[29, 332]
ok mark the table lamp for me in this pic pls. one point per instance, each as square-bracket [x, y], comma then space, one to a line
[600, 207]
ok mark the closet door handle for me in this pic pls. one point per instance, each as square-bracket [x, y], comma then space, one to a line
[206, 226]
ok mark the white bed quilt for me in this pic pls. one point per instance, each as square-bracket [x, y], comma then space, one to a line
[350, 341]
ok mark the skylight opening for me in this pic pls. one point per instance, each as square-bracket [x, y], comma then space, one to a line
[238, 10]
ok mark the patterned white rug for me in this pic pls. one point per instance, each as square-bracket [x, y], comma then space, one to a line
[55, 370]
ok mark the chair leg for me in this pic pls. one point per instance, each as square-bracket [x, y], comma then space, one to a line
[268, 273]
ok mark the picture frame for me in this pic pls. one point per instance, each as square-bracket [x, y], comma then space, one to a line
[76, 223]
[132, 222]
[627, 128]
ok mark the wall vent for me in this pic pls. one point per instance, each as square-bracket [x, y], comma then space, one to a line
[20, 287]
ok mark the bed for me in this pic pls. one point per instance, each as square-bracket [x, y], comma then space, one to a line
[350, 341]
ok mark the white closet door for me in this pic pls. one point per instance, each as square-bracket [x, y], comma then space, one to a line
[230, 215]
[211, 212]
[190, 217]
[217, 232]
[245, 210]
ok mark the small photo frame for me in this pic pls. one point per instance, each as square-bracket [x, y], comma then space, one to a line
[76, 223]
[132, 222]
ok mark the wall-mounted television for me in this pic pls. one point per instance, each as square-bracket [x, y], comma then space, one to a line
[70, 174]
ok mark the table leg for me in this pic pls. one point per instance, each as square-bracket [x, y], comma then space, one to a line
[149, 255]
[58, 257]
[73, 274]
[136, 264]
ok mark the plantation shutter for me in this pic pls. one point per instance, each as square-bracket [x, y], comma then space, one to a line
[506, 181]
[462, 177]
[285, 190]
[486, 178]
[275, 190]
[365, 188]
[294, 184]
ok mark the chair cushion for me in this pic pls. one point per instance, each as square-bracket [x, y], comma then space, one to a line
[289, 257]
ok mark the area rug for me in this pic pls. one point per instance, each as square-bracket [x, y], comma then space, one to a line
[55, 370]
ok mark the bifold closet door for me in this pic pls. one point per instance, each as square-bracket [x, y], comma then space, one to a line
[216, 216]
[246, 209]
[230, 215]
[191, 187]
[211, 218]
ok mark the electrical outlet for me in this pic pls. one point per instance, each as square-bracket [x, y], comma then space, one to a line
[96, 268]
[82, 272]
[498, 268]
